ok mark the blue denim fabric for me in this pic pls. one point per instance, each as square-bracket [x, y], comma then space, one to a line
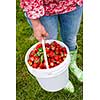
[69, 26]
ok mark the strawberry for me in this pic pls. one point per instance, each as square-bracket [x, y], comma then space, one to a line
[58, 45]
[31, 58]
[56, 58]
[35, 65]
[55, 64]
[64, 49]
[39, 46]
[54, 43]
[51, 54]
[63, 58]
[36, 59]
[32, 53]
[48, 55]
[62, 54]
[58, 62]
[36, 50]
[42, 66]
[65, 54]
[57, 51]
[52, 59]
[47, 45]
[30, 62]
[51, 64]
[47, 50]
[52, 47]
[49, 60]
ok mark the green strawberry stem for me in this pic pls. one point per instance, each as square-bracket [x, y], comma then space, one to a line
[41, 58]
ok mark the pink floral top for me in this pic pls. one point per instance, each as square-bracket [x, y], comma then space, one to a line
[38, 8]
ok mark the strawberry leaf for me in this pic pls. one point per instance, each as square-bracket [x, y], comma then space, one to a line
[41, 58]
[40, 50]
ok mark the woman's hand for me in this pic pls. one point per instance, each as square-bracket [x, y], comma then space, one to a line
[39, 30]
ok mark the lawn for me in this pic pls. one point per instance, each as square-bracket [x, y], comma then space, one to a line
[27, 88]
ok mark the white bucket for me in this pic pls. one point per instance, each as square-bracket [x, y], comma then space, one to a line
[53, 79]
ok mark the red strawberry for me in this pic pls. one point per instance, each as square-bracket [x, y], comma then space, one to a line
[30, 62]
[56, 58]
[49, 60]
[54, 43]
[36, 50]
[32, 53]
[58, 62]
[47, 45]
[48, 55]
[31, 58]
[52, 59]
[51, 54]
[47, 50]
[65, 54]
[57, 51]
[36, 59]
[42, 66]
[52, 47]
[55, 64]
[35, 65]
[51, 64]
[64, 49]
[62, 54]
[39, 46]
[63, 58]
[58, 45]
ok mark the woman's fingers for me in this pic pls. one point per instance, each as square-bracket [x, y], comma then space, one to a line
[40, 32]
[39, 37]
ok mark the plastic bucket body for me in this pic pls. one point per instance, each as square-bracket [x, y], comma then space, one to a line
[55, 83]
[53, 79]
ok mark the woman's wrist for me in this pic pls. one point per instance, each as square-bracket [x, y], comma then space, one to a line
[35, 22]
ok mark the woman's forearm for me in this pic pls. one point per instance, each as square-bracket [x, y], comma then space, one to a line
[35, 22]
[39, 29]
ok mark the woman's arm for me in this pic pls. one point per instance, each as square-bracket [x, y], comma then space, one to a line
[39, 30]
[35, 10]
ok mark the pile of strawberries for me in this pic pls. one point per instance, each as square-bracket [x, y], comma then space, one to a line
[55, 55]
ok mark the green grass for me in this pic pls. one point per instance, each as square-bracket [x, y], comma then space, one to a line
[27, 88]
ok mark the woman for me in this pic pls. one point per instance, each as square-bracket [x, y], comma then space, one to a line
[44, 15]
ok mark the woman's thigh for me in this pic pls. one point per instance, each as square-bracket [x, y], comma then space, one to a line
[69, 27]
[51, 25]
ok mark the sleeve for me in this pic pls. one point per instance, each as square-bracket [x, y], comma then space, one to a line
[33, 8]
[79, 2]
